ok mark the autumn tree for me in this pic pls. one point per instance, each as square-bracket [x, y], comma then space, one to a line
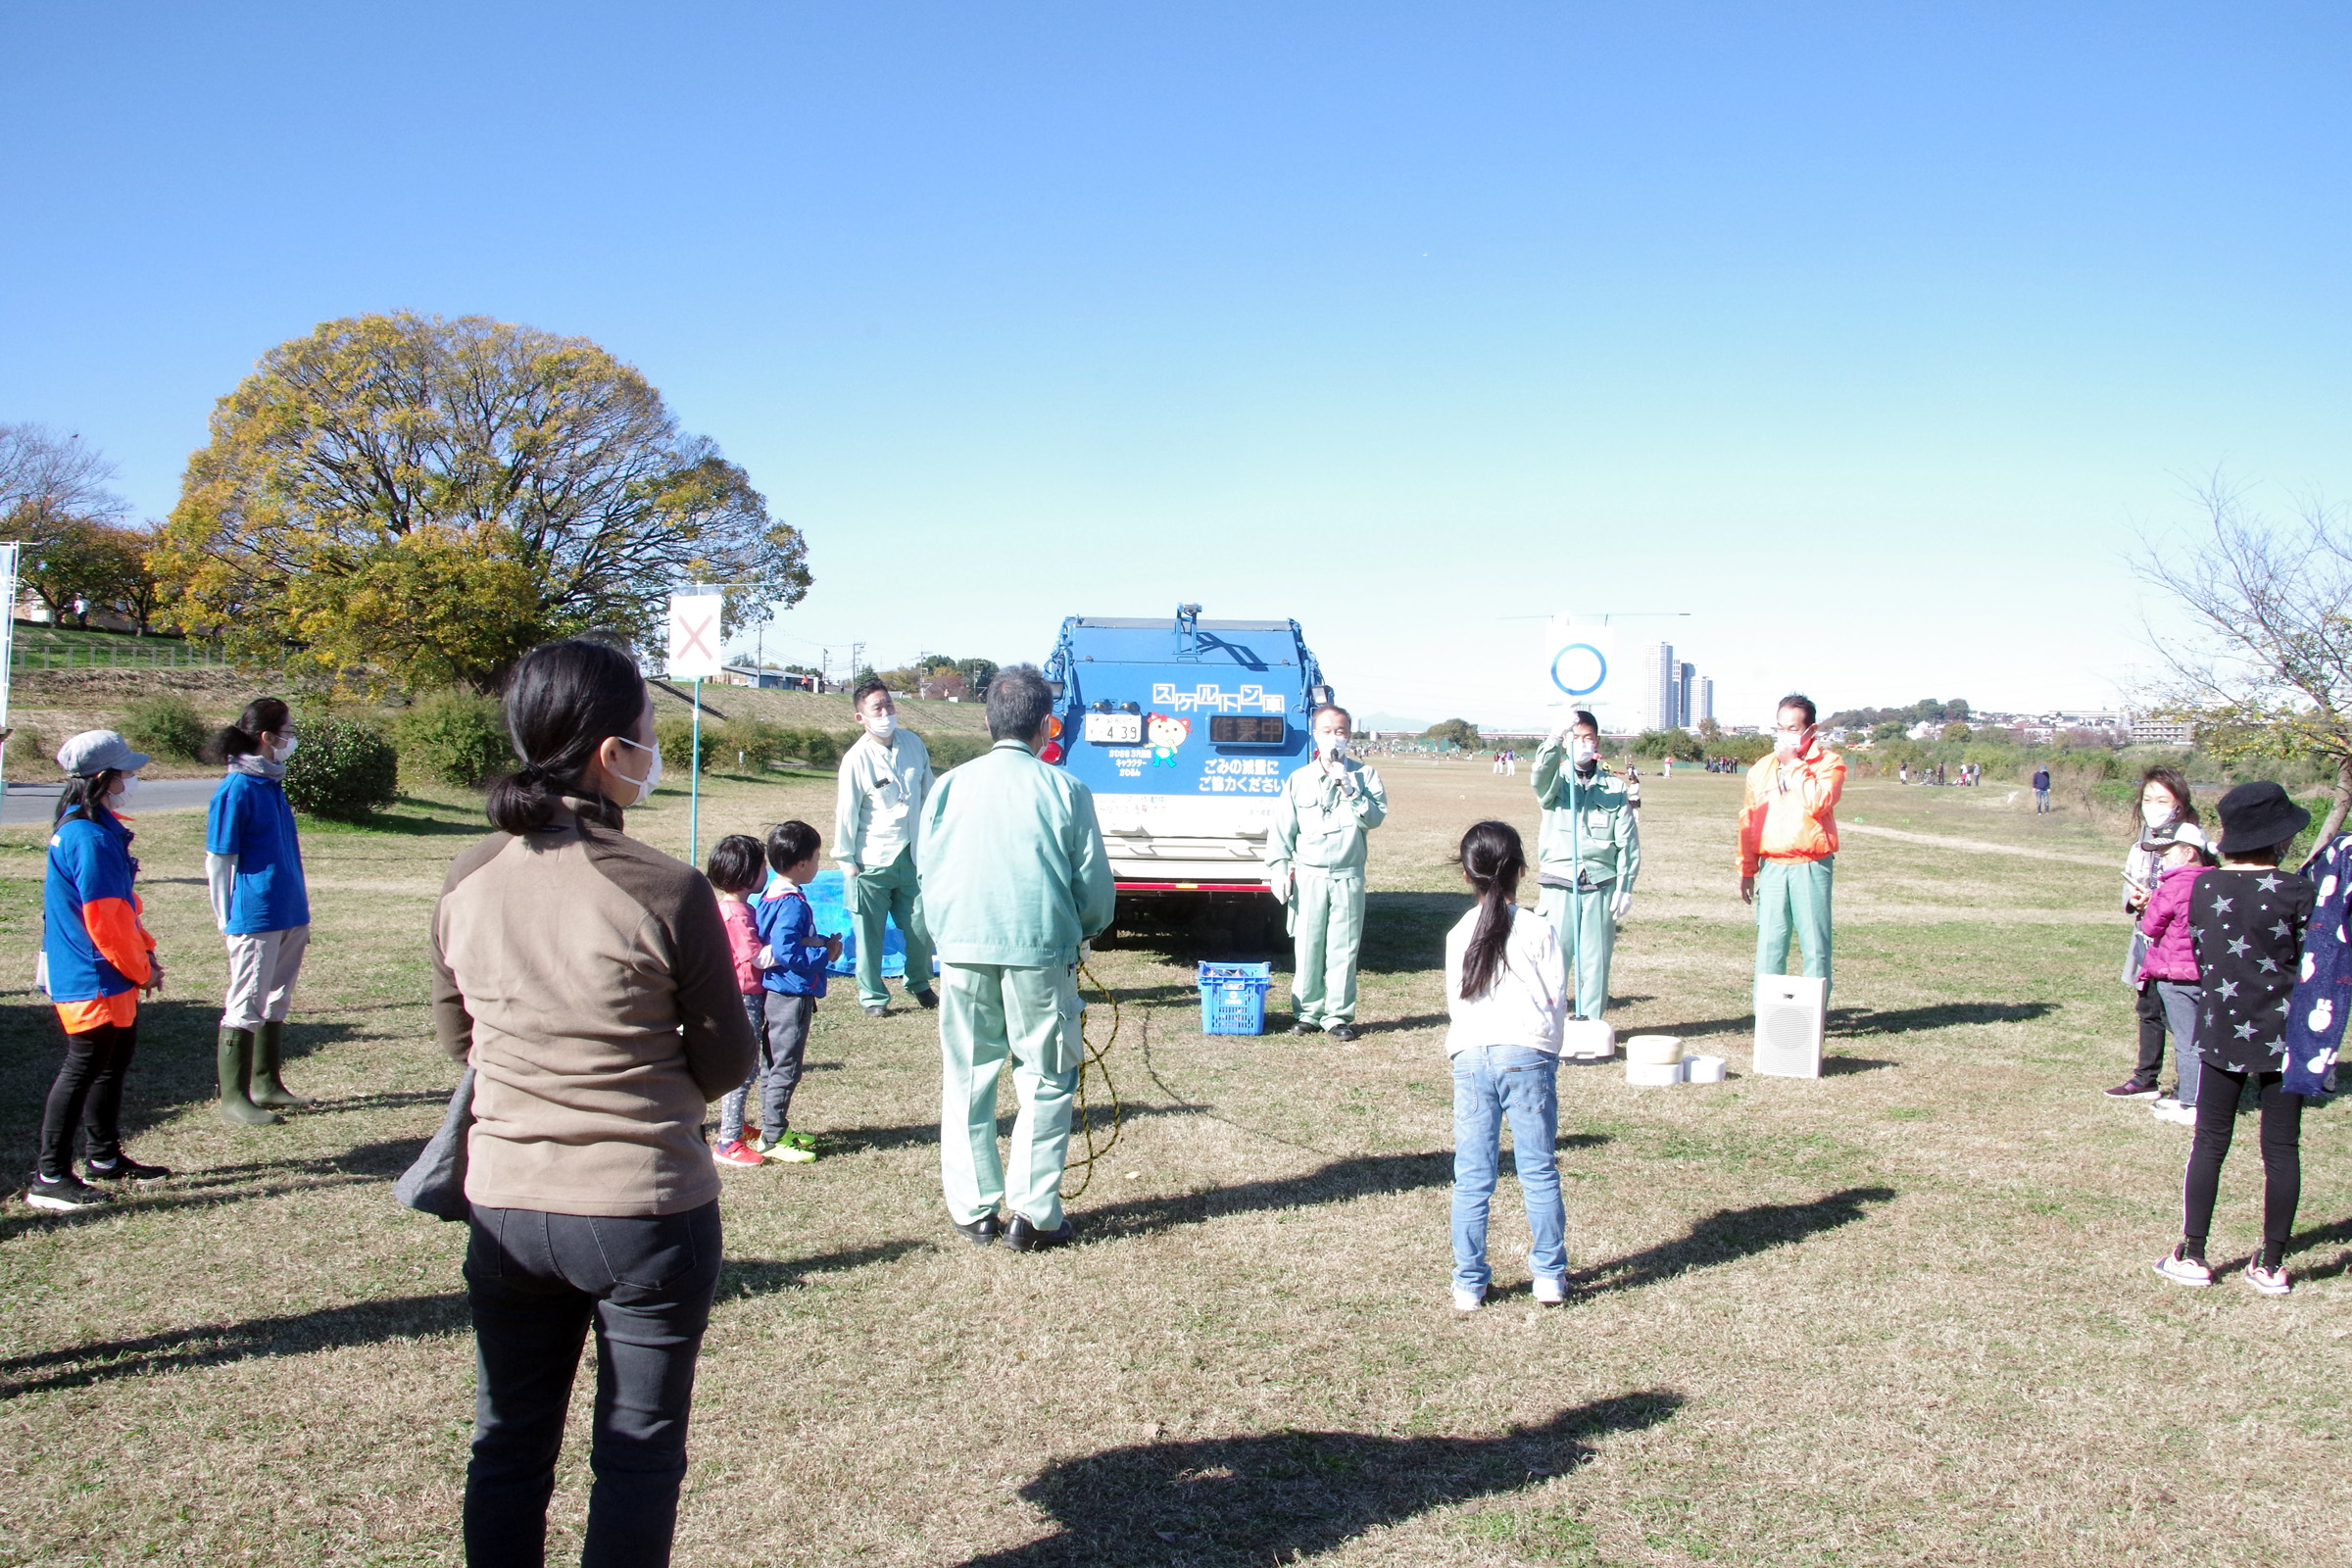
[407, 499]
[2265, 671]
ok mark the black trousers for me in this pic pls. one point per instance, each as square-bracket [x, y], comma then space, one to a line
[88, 1090]
[537, 1282]
[2282, 1159]
[2150, 1007]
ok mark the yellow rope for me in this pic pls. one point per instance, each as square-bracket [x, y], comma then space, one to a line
[1094, 1064]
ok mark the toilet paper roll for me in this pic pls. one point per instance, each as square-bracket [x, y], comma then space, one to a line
[1703, 1070]
[1654, 1049]
[1653, 1074]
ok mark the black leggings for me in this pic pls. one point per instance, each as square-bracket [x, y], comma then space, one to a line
[2282, 1159]
[88, 1090]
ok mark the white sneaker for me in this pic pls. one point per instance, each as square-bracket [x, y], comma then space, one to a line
[2189, 1271]
[1550, 1292]
[2165, 1102]
[2177, 1114]
[2269, 1281]
[1468, 1300]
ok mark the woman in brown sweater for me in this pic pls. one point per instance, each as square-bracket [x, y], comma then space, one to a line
[587, 979]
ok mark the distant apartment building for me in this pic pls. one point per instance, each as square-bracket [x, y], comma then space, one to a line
[1686, 682]
[1656, 675]
[1702, 706]
[2162, 732]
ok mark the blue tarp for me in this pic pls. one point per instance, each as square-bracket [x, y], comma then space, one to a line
[833, 919]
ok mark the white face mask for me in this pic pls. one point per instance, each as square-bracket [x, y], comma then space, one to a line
[2155, 815]
[1585, 750]
[882, 726]
[653, 774]
[1788, 745]
[125, 792]
[1331, 744]
[285, 749]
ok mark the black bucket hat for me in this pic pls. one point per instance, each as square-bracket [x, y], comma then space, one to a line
[2255, 816]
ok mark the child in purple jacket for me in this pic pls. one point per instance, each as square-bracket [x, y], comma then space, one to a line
[2170, 964]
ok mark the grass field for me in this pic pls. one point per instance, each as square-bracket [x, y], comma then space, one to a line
[1901, 1314]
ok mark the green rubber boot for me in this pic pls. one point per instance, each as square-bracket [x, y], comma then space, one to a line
[267, 1091]
[235, 1060]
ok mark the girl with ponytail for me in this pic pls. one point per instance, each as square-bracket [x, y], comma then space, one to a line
[253, 868]
[1505, 995]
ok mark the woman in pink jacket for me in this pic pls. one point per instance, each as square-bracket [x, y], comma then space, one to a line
[2170, 964]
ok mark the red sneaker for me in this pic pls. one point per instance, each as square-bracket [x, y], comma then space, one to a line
[737, 1152]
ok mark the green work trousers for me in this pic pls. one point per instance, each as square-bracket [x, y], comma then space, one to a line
[987, 1011]
[1793, 898]
[1588, 938]
[891, 891]
[1327, 931]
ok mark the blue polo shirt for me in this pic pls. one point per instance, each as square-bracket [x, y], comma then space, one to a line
[251, 820]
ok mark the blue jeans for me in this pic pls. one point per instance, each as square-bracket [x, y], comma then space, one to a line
[538, 1283]
[1490, 1081]
[2180, 1002]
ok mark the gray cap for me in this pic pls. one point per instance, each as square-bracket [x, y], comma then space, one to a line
[94, 751]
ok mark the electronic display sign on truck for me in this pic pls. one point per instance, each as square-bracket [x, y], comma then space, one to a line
[1185, 729]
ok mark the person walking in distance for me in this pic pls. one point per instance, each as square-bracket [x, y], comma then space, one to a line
[885, 779]
[1587, 856]
[587, 980]
[2042, 790]
[1315, 858]
[1789, 841]
[1015, 881]
[96, 960]
[253, 869]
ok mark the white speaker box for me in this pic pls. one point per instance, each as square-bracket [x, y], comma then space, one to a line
[1791, 1012]
[1587, 1040]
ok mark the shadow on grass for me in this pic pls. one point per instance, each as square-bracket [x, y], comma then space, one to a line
[331, 1328]
[854, 1140]
[2335, 1235]
[1283, 1496]
[1945, 1015]
[742, 1278]
[1729, 1236]
[1340, 1181]
[406, 824]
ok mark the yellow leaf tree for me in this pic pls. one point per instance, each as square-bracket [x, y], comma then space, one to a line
[407, 501]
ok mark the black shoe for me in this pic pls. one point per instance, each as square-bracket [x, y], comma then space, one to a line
[125, 1169]
[1023, 1236]
[1299, 1026]
[1342, 1032]
[877, 1013]
[68, 1193]
[982, 1231]
[926, 998]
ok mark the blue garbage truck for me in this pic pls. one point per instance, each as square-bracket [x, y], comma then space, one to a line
[1184, 729]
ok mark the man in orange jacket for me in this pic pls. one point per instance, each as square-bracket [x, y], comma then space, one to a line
[1789, 841]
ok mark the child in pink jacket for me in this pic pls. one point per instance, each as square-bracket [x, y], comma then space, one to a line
[2170, 964]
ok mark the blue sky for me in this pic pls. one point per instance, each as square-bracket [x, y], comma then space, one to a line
[1871, 336]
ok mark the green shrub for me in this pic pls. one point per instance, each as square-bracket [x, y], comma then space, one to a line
[166, 724]
[751, 744]
[947, 751]
[675, 733]
[343, 770]
[32, 753]
[814, 747]
[456, 737]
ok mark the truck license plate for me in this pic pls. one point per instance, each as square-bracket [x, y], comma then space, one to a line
[1115, 729]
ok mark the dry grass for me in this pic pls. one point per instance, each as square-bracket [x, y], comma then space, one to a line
[1898, 1315]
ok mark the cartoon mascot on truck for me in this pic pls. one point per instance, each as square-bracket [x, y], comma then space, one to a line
[1164, 733]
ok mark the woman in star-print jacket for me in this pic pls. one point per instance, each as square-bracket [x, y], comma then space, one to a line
[2248, 921]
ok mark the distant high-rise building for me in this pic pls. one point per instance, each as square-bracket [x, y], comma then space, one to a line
[1655, 676]
[1685, 681]
[1702, 706]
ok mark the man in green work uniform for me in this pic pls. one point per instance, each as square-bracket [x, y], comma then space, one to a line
[1014, 881]
[1586, 857]
[1315, 864]
[884, 778]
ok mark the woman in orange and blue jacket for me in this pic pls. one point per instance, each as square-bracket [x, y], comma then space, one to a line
[96, 959]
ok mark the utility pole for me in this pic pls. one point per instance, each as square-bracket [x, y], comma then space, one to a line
[856, 660]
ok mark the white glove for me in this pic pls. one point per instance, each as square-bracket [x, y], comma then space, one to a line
[1620, 904]
[766, 958]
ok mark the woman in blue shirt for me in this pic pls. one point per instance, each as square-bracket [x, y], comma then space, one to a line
[253, 865]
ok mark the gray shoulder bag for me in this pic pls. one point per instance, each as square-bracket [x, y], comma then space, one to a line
[436, 1184]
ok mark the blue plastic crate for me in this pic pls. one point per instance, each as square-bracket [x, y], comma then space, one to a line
[1233, 997]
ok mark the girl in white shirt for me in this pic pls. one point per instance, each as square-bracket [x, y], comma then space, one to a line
[1506, 994]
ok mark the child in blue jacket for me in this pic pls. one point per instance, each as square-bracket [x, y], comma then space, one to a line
[793, 973]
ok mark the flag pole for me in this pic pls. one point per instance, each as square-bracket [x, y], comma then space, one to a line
[693, 781]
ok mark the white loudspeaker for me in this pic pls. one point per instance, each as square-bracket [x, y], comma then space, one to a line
[1587, 1040]
[1791, 1012]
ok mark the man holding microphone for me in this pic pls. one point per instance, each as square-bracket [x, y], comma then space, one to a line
[1789, 841]
[1315, 864]
[1586, 857]
[885, 779]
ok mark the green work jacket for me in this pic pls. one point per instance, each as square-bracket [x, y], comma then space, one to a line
[1321, 822]
[1587, 820]
[1011, 862]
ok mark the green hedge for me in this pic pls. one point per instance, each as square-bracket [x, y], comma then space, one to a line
[457, 737]
[166, 724]
[343, 770]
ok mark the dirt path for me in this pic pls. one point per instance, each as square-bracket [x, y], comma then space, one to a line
[1975, 846]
